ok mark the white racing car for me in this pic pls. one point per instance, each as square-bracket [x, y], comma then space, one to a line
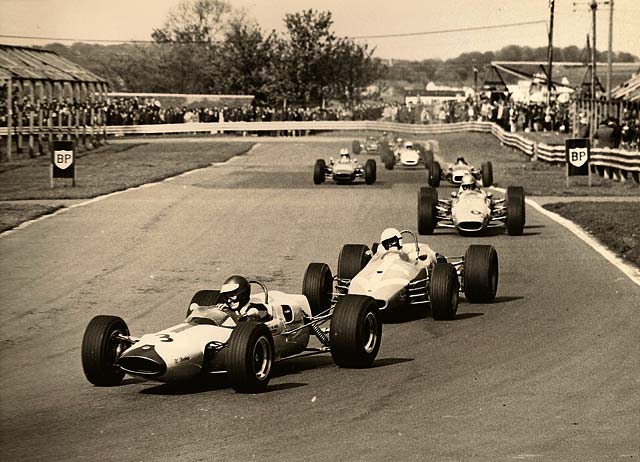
[398, 275]
[471, 210]
[408, 154]
[455, 173]
[344, 170]
[211, 340]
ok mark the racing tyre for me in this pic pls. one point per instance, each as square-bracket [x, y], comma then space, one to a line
[515, 210]
[428, 159]
[203, 298]
[370, 171]
[435, 172]
[355, 146]
[101, 350]
[480, 273]
[250, 356]
[487, 174]
[352, 258]
[319, 171]
[389, 161]
[443, 292]
[317, 286]
[356, 331]
[427, 218]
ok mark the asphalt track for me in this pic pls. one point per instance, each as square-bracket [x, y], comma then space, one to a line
[548, 372]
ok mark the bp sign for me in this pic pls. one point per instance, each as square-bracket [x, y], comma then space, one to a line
[63, 161]
[577, 154]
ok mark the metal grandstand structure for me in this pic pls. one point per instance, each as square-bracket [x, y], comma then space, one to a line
[47, 97]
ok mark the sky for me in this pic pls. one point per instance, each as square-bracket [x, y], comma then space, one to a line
[124, 20]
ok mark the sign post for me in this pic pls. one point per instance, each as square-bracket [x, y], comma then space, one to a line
[63, 161]
[577, 156]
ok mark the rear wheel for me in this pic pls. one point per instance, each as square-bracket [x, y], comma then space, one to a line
[355, 146]
[317, 286]
[443, 292]
[203, 298]
[250, 357]
[434, 172]
[487, 174]
[101, 349]
[515, 210]
[428, 158]
[352, 258]
[480, 273]
[370, 171]
[427, 218]
[389, 161]
[356, 331]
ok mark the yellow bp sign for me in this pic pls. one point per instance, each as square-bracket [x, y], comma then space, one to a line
[63, 160]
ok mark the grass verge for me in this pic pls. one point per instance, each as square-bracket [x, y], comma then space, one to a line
[12, 215]
[615, 224]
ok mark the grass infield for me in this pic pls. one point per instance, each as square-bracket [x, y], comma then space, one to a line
[614, 224]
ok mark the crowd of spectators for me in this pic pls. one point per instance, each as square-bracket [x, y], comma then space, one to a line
[511, 116]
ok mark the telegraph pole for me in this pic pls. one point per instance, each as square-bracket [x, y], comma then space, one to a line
[594, 8]
[552, 4]
[610, 51]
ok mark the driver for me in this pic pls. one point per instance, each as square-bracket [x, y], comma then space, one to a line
[345, 158]
[468, 183]
[408, 145]
[461, 161]
[234, 301]
[391, 241]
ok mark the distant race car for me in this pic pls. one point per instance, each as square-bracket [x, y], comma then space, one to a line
[413, 274]
[344, 170]
[471, 211]
[456, 171]
[209, 341]
[408, 154]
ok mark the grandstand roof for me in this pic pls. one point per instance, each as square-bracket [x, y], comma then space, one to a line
[25, 63]
[629, 90]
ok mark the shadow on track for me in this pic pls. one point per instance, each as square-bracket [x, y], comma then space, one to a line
[506, 298]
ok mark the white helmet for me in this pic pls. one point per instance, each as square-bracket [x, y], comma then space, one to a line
[344, 152]
[408, 144]
[391, 237]
[468, 183]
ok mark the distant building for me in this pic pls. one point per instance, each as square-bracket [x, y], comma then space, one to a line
[436, 94]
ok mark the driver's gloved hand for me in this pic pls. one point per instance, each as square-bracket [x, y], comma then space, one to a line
[440, 258]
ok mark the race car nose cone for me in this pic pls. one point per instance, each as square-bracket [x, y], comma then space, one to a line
[143, 360]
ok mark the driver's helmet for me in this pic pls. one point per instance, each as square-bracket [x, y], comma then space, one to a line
[399, 140]
[391, 238]
[408, 145]
[468, 183]
[461, 160]
[235, 292]
[344, 154]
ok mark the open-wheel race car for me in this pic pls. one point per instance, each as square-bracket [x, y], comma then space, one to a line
[344, 170]
[471, 210]
[408, 154]
[213, 340]
[396, 275]
[455, 173]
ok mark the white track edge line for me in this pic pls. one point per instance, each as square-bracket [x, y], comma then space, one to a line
[115, 193]
[629, 270]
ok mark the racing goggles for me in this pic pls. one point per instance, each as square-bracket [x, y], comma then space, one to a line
[391, 242]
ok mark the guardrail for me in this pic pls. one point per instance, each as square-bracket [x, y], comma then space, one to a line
[612, 163]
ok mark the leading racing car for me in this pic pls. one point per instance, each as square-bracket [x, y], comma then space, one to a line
[455, 173]
[471, 210]
[344, 170]
[398, 275]
[212, 339]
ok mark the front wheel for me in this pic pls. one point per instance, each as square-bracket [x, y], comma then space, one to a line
[250, 357]
[487, 174]
[427, 202]
[389, 161]
[356, 331]
[319, 171]
[101, 348]
[435, 173]
[370, 171]
[480, 273]
[352, 259]
[317, 286]
[515, 210]
[355, 146]
[443, 292]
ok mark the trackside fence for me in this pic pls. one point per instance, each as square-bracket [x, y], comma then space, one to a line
[616, 164]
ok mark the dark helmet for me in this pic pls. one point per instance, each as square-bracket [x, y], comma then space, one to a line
[235, 292]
